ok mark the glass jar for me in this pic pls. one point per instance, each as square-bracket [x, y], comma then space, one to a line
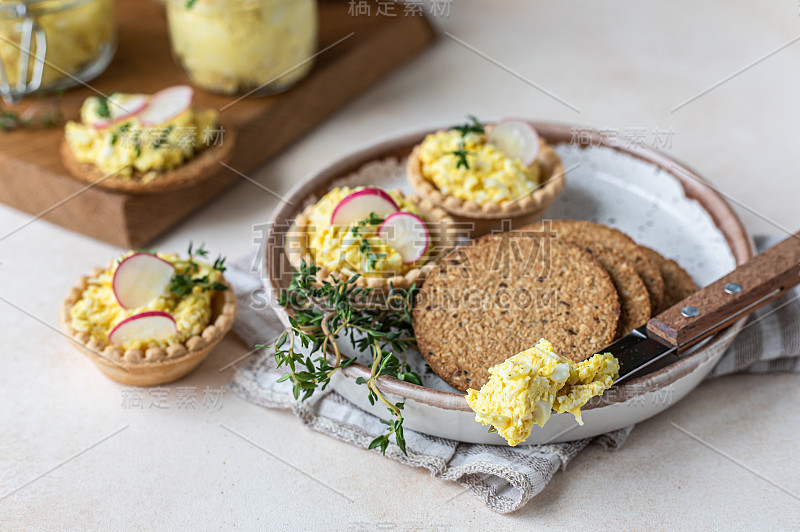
[243, 46]
[53, 44]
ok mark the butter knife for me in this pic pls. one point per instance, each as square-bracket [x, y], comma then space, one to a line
[663, 339]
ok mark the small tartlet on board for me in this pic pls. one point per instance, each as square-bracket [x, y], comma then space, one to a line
[203, 165]
[475, 219]
[441, 229]
[155, 365]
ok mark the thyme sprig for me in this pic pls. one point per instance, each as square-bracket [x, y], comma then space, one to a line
[46, 113]
[324, 313]
[9, 120]
[162, 138]
[473, 126]
[461, 155]
[364, 245]
[102, 107]
[187, 277]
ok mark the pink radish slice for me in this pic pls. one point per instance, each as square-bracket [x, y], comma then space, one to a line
[152, 325]
[360, 204]
[166, 104]
[406, 233]
[517, 139]
[141, 278]
[122, 109]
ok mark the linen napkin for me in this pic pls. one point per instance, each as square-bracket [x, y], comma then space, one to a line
[505, 478]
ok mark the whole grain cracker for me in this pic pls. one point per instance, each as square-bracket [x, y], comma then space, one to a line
[633, 297]
[678, 283]
[500, 294]
[586, 233]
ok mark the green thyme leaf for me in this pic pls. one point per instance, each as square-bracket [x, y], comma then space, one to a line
[186, 276]
[473, 126]
[461, 156]
[321, 314]
[102, 108]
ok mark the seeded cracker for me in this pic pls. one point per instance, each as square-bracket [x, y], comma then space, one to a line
[587, 233]
[500, 294]
[634, 300]
[678, 283]
[633, 297]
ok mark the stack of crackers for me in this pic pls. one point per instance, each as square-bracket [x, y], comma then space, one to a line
[579, 284]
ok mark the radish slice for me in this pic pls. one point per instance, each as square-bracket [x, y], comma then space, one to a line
[166, 104]
[153, 325]
[517, 139]
[406, 233]
[360, 204]
[141, 278]
[121, 109]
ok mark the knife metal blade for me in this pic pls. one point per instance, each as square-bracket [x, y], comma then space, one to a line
[639, 354]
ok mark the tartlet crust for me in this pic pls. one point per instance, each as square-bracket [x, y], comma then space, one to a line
[489, 216]
[203, 164]
[156, 365]
[441, 229]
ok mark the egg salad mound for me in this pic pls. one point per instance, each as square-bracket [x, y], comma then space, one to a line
[231, 46]
[97, 311]
[125, 146]
[526, 388]
[471, 169]
[355, 248]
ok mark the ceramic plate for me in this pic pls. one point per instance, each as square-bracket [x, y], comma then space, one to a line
[656, 200]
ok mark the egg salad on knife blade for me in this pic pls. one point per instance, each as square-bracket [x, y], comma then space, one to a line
[525, 389]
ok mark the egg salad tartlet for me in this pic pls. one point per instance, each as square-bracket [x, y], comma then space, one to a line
[150, 318]
[525, 389]
[381, 236]
[484, 175]
[141, 143]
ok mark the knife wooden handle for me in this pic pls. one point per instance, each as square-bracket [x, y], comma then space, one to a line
[739, 293]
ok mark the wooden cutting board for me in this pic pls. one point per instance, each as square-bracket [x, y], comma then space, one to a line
[33, 180]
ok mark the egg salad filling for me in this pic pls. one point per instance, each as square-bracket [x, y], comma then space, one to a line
[469, 168]
[355, 248]
[236, 45]
[76, 34]
[97, 311]
[525, 389]
[125, 146]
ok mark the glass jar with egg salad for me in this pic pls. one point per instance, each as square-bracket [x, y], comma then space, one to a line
[243, 46]
[53, 44]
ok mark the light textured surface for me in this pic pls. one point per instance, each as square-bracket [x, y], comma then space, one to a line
[624, 64]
